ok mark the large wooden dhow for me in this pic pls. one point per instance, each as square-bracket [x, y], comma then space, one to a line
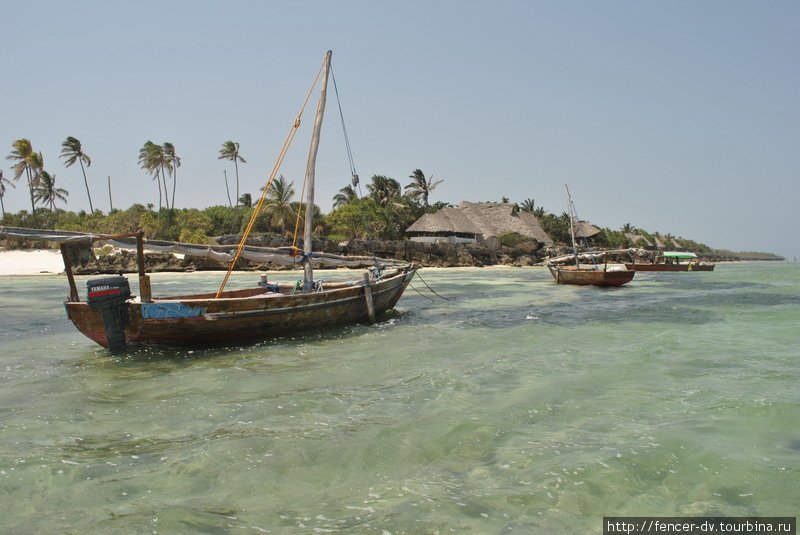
[113, 318]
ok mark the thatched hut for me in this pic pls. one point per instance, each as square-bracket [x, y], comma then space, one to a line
[477, 223]
[584, 229]
[639, 240]
[667, 242]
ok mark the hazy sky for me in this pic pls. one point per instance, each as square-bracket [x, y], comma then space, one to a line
[674, 116]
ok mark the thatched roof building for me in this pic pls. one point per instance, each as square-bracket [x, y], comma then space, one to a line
[667, 242]
[584, 229]
[638, 238]
[477, 222]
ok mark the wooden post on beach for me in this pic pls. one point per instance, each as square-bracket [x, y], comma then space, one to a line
[144, 279]
[73, 288]
[368, 297]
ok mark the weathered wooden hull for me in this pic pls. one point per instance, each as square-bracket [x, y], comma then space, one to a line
[241, 315]
[590, 277]
[670, 267]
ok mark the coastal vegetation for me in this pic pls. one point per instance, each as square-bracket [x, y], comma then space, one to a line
[383, 214]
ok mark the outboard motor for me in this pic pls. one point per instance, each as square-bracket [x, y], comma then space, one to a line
[108, 296]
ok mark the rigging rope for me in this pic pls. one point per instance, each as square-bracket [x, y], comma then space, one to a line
[295, 250]
[286, 144]
[353, 174]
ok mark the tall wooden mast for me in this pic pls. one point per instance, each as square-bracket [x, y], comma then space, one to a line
[572, 227]
[308, 282]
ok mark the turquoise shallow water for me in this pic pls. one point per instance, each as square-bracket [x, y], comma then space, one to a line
[516, 406]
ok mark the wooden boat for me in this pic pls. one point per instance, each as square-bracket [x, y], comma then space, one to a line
[672, 261]
[594, 275]
[113, 318]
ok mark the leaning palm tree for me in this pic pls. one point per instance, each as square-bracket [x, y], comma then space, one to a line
[71, 150]
[227, 189]
[172, 162]
[230, 151]
[421, 186]
[3, 182]
[384, 190]
[47, 193]
[22, 153]
[345, 196]
[279, 199]
[36, 164]
[151, 159]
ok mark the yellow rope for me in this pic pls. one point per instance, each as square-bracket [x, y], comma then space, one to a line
[300, 206]
[286, 144]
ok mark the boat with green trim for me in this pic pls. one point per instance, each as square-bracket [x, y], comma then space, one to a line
[673, 261]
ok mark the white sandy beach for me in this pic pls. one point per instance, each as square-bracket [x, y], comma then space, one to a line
[49, 262]
[35, 262]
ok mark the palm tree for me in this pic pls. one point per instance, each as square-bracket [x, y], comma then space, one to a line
[230, 151]
[36, 164]
[47, 193]
[23, 154]
[627, 227]
[539, 211]
[279, 200]
[527, 205]
[384, 190]
[421, 186]
[172, 162]
[110, 200]
[246, 200]
[71, 150]
[151, 159]
[3, 182]
[227, 189]
[345, 196]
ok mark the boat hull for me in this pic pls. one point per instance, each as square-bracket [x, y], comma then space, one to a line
[590, 277]
[670, 267]
[240, 316]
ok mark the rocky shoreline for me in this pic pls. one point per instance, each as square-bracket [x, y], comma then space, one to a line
[423, 254]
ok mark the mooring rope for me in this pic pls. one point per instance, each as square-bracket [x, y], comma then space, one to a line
[431, 289]
[422, 294]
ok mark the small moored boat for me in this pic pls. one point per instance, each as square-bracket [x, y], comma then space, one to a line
[673, 261]
[614, 275]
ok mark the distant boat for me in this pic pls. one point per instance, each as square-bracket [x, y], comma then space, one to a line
[594, 275]
[113, 318]
[673, 261]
